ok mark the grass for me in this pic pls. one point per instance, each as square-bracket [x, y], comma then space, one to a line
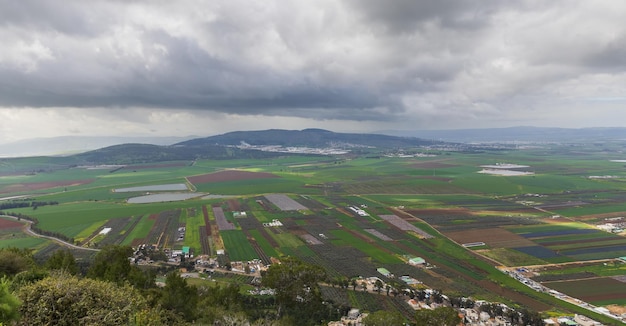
[237, 246]
[23, 242]
[345, 238]
[193, 224]
[263, 243]
[140, 231]
[89, 231]
[510, 257]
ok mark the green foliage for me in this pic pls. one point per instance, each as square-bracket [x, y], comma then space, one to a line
[112, 264]
[442, 316]
[384, 318]
[67, 300]
[14, 260]
[62, 260]
[179, 297]
[9, 304]
[296, 284]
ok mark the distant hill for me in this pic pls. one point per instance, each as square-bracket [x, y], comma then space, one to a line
[68, 145]
[223, 146]
[516, 134]
[316, 138]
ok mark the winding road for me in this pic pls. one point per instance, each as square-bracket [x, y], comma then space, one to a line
[28, 231]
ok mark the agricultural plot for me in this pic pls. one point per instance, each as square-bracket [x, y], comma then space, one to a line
[284, 203]
[597, 291]
[164, 229]
[229, 175]
[378, 234]
[163, 187]
[493, 237]
[404, 225]
[220, 219]
[237, 246]
[36, 186]
[574, 241]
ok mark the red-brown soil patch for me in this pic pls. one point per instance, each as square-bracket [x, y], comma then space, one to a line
[233, 205]
[515, 296]
[432, 165]
[494, 237]
[8, 224]
[230, 175]
[21, 187]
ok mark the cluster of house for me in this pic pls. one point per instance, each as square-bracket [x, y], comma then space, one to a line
[181, 233]
[353, 318]
[613, 225]
[358, 210]
[274, 222]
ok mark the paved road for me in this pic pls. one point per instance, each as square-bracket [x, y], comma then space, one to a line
[28, 231]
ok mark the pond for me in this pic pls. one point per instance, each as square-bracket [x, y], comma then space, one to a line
[159, 198]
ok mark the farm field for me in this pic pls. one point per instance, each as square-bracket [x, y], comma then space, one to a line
[307, 206]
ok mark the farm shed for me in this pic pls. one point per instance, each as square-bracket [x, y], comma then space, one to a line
[384, 271]
[415, 261]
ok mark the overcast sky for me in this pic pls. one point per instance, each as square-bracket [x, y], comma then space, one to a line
[208, 67]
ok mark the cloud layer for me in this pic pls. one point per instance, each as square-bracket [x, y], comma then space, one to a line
[358, 63]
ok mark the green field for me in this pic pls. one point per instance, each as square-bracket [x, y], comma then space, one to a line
[439, 195]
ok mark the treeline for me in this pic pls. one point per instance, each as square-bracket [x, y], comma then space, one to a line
[25, 204]
[37, 229]
[114, 291]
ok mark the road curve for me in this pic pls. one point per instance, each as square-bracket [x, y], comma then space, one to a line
[28, 231]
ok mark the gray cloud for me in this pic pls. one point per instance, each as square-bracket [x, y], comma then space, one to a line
[420, 62]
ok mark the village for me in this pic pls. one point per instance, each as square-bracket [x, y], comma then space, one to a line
[415, 294]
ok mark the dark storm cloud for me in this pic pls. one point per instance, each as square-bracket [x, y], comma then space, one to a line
[358, 60]
[405, 16]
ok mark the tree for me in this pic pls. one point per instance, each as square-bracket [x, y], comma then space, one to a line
[294, 282]
[62, 260]
[383, 318]
[378, 285]
[9, 304]
[14, 260]
[442, 316]
[179, 297]
[62, 299]
[112, 264]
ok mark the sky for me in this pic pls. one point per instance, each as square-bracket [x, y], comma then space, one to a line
[178, 68]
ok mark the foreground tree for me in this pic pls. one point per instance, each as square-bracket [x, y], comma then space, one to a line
[14, 260]
[62, 260]
[9, 304]
[296, 285]
[443, 316]
[63, 299]
[179, 297]
[112, 264]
